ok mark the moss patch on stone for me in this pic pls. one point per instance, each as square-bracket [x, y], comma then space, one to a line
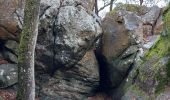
[162, 82]
[162, 49]
[152, 68]
[168, 68]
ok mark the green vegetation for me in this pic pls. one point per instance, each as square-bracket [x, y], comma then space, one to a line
[168, 68]
[137, 90]
[162, 82]
[129, 7]
[162, 49]
[152, 66]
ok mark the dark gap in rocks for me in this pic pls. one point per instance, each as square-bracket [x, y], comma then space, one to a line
[123, 58]
[4, 50]
[11, 51]
[2, 42]
[56, 29]
[103, 73]
[43, 9]
[118, 92]
[105, 88]
[135, 77]
[102, 91]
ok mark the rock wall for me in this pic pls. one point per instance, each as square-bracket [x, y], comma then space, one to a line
[66, 67]
[127, 37]
[150, 79]
[120, 44]
[131, 59]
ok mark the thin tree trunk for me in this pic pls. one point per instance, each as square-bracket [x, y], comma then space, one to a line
[111, 5]
[96, 7]
[26, 81]
[141, 2]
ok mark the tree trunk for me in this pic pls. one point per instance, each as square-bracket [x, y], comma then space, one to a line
[96, 7]
[111, 5]
[141, 2]
[26, 81]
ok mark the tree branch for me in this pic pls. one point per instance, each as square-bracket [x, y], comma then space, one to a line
[104, 6]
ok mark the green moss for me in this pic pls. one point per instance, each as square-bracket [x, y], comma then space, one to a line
[167, 21]
[162, 47]
[165, 45]
[160, 50]
[168, 68]
[162, 79]
[162, 82]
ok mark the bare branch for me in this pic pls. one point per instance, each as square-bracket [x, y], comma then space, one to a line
[104, 6]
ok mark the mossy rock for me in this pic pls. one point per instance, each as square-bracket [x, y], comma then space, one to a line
[167, 19]
[155, 67]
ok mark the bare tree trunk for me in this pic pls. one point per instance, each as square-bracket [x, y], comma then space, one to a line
[26, 81]
[96, 7]
[141, 2]
[111, 5]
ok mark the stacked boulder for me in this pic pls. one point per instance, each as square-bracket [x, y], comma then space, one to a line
[66, 67]
[122, 36]
[124, 43]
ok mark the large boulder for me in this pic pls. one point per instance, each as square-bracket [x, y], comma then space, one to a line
[66, 33]
[122, 34]
[8, 22]
[150, 79]
[7, 95]
[152, 22]
[152, 16]
[159, 25]
[67, 30]
[8, 75]
[76, 83]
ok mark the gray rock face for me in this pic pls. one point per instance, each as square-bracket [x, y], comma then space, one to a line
[152, 15]
[75, 83]
[67, 31]
[152, 41]
[8, 75]
[72, 32]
